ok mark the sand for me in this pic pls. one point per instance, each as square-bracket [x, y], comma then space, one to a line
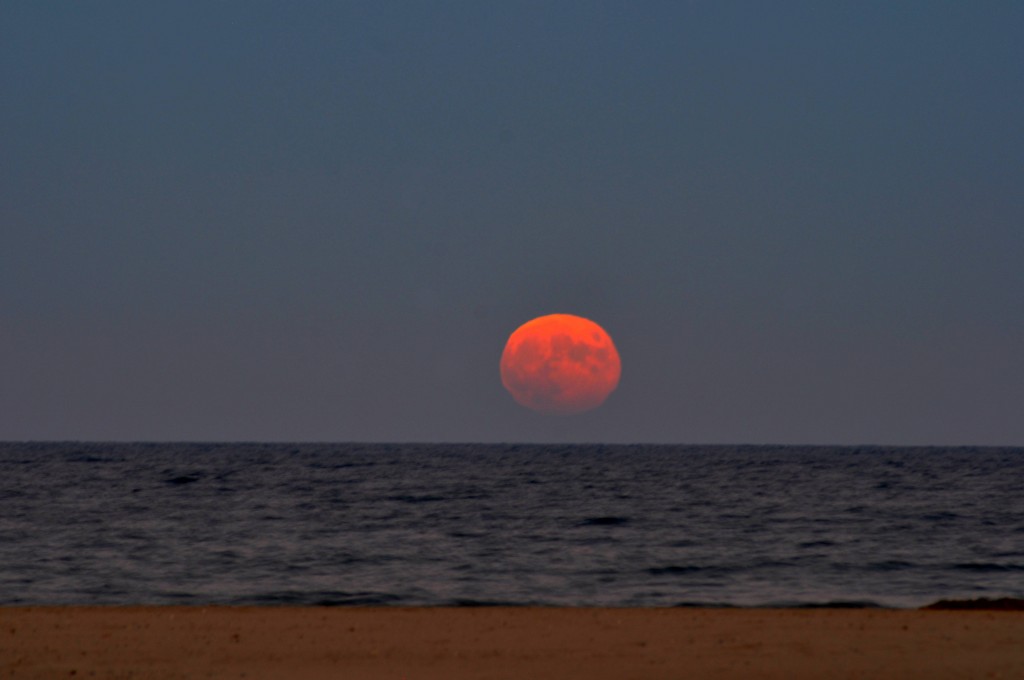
[453, 643]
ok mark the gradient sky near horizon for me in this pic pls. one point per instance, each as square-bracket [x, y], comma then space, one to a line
[801, 222]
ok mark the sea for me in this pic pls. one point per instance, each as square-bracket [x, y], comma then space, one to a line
[485, 524]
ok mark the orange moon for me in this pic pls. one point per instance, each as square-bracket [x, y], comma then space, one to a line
[560, 363]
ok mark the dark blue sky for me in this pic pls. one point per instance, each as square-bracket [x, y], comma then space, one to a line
[800, 222]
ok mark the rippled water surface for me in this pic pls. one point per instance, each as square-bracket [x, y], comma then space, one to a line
[532, 524]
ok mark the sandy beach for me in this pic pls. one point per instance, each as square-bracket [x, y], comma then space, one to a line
[433, 643]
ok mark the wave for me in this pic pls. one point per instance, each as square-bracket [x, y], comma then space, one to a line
[322, 599]
[981, 603]
[603, 521]
[988, 567]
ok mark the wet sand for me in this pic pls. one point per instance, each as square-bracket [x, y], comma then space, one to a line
[452, 643]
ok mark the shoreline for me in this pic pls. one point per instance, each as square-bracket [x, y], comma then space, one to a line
[424, 643]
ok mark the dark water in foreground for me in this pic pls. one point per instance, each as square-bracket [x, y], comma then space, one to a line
[482, 524]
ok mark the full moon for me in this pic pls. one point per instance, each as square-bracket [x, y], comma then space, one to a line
[561, 364]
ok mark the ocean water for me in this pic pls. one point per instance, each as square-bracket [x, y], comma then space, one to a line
[590, 525]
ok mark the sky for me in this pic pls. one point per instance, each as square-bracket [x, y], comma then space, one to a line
[801, 222]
